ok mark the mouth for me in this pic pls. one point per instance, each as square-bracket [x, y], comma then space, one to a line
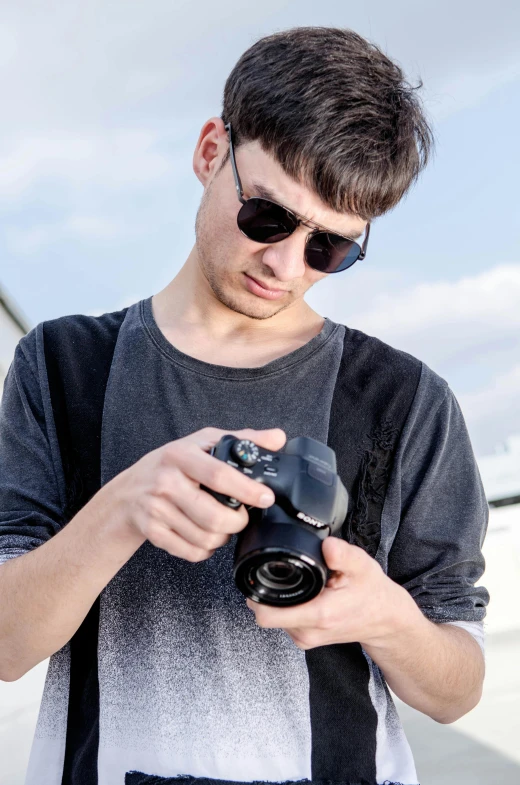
[262, 290]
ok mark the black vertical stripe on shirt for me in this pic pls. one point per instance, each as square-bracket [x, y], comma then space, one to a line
[78, 357]
[374, 391]
[343, 719]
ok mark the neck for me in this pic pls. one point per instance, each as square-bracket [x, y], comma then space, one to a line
[189, 306]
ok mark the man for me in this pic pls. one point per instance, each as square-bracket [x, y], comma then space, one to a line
[186, 681]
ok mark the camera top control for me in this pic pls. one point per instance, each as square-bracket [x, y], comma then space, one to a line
[245, 452]
[302, 476]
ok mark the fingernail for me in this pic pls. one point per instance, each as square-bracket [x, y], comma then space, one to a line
[266, 500]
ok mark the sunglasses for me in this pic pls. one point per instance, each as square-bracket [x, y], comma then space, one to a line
[265, 221]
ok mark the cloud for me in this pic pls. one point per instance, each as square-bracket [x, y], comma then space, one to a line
[439, 319]
[461, 50]
[65, 78]
[492, 298]
[126, 302]
[503, 394]
[90, 228]
[492, 413]
[62, 68]
[467, 330]
[468, 86]
[114, 158]
[9, 44]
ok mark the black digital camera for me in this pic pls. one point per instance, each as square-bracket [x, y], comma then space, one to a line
[278, 559]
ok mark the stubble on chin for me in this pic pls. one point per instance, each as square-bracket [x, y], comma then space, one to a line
[243, 302]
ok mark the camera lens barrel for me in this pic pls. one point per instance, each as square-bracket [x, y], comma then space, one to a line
[279, 562]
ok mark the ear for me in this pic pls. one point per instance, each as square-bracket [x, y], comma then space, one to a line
[210, 149]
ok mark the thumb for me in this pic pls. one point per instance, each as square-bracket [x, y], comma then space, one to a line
[336, 553]
[343, 557]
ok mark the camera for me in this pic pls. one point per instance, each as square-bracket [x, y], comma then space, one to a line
[278, 559]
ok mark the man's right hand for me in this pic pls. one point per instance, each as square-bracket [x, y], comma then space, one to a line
[160, 498]
[52, 587]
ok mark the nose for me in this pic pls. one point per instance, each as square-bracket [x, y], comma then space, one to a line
[287, 257]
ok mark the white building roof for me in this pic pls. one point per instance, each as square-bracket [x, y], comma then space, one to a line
[500, 472]
[12, 312]
[12, 327]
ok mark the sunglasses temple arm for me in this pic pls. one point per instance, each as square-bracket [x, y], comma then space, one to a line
[365, 243]
[238, 184]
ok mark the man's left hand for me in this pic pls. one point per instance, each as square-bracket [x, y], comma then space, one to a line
[358, 604]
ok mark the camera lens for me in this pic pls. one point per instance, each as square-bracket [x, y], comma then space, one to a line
[278, 561]
[278, 578]
[279, 574]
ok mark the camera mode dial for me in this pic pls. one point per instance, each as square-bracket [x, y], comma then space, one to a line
[245, 452]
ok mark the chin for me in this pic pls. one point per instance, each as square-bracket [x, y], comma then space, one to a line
[247, 304]
[258, 310]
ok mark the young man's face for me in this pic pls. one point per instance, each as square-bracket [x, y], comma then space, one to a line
[229, 260]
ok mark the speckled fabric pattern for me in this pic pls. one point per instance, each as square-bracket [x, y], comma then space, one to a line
[225, 698]
[191, 691]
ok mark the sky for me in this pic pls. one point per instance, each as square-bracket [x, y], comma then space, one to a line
[102, 104]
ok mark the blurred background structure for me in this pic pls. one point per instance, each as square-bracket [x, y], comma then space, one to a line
[12, 326]
[102, 106]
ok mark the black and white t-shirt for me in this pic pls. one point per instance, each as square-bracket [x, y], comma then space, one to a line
[189, 686]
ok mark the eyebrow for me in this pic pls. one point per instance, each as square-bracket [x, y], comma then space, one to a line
[265, 193]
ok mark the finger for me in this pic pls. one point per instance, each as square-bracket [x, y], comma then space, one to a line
[270, 438]
[338, 580]
[303, 615]
[168, 517]
[173, 543]
[205, 511]
[219, 476]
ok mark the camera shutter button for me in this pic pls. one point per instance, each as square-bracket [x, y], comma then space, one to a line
[245, 452]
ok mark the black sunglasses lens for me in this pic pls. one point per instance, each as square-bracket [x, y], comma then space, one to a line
[264, 221]
[331, 253]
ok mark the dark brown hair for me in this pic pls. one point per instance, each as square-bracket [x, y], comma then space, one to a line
[335, 112]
